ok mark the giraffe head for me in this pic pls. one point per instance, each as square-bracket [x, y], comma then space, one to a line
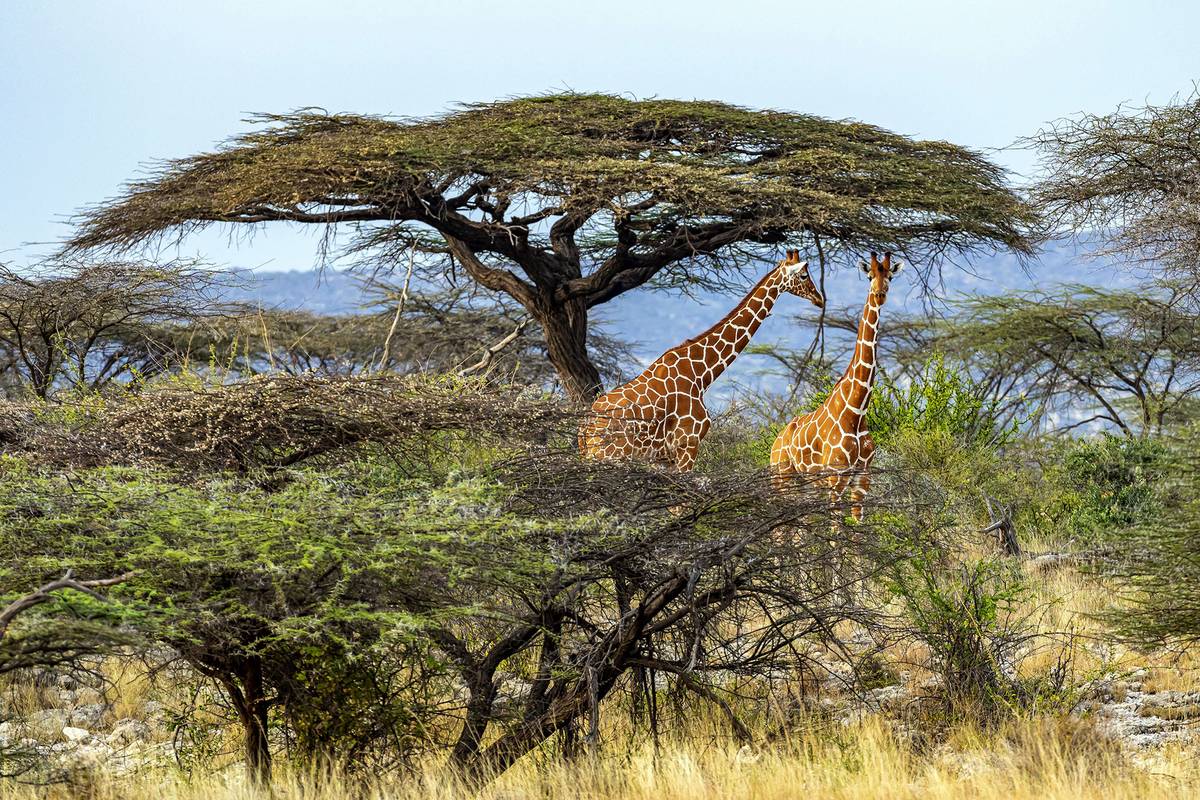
[880, 271]
[796, 279]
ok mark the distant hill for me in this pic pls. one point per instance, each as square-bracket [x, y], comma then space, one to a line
[321, 291]
[652, 321]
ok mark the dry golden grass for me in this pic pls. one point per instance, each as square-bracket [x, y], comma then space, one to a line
[1047, 759]
[1176, 673]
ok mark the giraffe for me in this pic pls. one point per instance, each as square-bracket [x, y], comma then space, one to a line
[833, 440]
[659, 416]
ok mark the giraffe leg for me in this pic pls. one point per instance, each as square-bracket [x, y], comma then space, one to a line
[859, 486]
[688, 428]
[841, 581]
[837, 493]
[685, 453]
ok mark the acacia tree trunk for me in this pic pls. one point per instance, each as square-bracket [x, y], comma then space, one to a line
[249, 699]
[564, 326]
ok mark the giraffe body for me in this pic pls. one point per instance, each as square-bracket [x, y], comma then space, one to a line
[659, 417]
[833, 441]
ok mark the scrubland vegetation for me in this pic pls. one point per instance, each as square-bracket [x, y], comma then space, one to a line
[359, 556]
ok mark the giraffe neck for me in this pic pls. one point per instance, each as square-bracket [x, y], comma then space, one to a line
[714, 350]
[855, 385]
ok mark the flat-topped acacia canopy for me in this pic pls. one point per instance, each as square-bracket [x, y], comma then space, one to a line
[565, 201]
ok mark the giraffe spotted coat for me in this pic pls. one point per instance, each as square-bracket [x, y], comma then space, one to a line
[659, 416]
[833, 441]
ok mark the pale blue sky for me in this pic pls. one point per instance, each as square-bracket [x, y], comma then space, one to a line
[91, 91]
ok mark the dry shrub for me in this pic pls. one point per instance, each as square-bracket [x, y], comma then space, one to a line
[276, 421]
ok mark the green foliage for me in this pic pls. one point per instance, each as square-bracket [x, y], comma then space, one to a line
[1160, 558]
[940, 399]
[1110, 483]
[969, 616]
[304, 581]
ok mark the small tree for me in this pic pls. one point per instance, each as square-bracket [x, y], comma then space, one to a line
[1129, 179]
[1130, 359]
[1159, 554]
[566, 201]
[87, 324]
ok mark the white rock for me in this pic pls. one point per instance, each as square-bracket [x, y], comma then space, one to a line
[128, 731]
[88, 716]
[75, 734]
[47, 723]
[152, 707]
[746, 755]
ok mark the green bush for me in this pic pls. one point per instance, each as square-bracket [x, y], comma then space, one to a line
[283, 597]
[1110, 483]
[940, 399]
[968, 614]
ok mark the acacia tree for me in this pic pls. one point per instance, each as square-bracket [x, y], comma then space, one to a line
[88, 324]
[1128, 359]
[1130, 179]
[565, 201]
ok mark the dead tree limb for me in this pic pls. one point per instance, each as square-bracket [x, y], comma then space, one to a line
[490, 354]
[1002, 526]
[46, 592]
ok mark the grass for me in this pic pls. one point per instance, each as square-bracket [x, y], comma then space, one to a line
[1045, 758]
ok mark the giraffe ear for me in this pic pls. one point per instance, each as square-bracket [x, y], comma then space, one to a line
[896, 267]
[864, 266]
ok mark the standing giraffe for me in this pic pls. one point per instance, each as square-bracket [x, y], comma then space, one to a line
[834, 439]
[659, 416]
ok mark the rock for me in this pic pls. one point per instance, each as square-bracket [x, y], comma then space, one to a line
[48, 723]
[152, 707]
[76, 734]
[892, 698]
[91, 715]
[746, 755]
[128, 731]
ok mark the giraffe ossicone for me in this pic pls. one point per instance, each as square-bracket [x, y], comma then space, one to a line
[659, 417]
[833, 441]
